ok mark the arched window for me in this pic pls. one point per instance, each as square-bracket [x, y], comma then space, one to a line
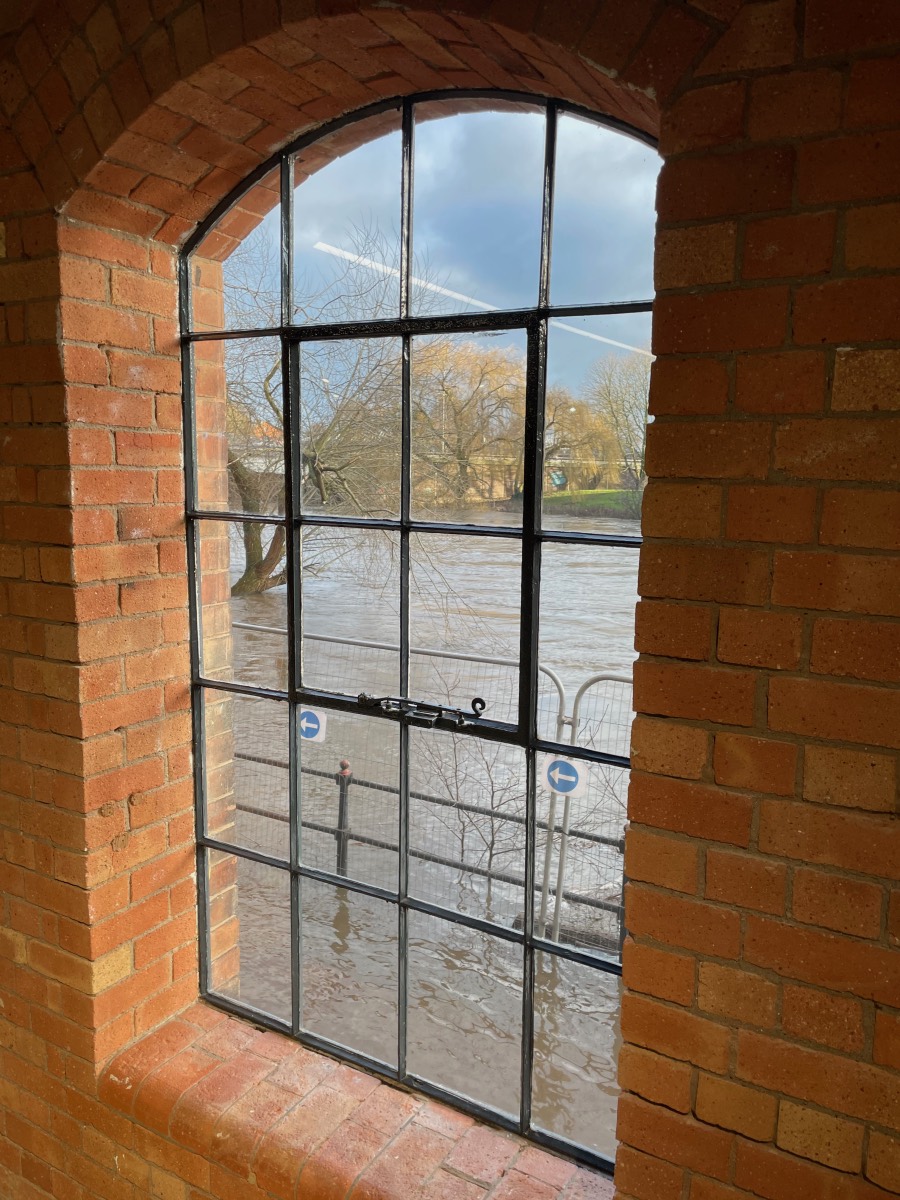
[416, 352]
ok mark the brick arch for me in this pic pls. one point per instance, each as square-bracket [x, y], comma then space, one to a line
[154, 122]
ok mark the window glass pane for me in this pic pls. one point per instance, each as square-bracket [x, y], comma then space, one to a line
[351, 610]
[250, 932]
[235, 271]
[578, 890]
[477, 195]
[467, 825]
[588, 597]
[246, 771]
[350, 427]
[243, 602]
[604, 215]
[349, 789]
[239, 428]
[595, 421]
[465, 1011]
[349, 969]
[347, 224]
[576, 1046]
[467, 401]
[464, 621]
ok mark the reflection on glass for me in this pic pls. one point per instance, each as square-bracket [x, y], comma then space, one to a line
[250, 932]
[349, 788]
[477, 195]
[350, 400]
[576, 1046]
[235, 273]
[239, 426]
[347, 224]
[578, 855]
[351, 609]
[348, 968]
[595, 422]
[465, 1011]
[467, 825]
[464, 608]
[588, 596]
[243, 602]
[467, 401]
[603, 215]
[246, 771]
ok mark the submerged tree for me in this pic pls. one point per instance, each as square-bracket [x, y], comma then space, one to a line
[617, 390]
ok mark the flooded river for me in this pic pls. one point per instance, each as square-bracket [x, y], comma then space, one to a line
[467, 812]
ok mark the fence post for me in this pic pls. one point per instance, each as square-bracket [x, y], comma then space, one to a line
[342, 834]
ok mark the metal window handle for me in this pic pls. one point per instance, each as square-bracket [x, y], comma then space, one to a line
[420, 712]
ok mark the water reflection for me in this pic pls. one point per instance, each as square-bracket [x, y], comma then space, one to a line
[465, 987]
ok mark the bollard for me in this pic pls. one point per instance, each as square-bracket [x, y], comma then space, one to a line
[342, 833]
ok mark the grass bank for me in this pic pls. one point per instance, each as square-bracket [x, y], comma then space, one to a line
[599, 502]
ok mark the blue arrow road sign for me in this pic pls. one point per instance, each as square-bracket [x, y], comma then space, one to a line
[312, 725]
[562, 776]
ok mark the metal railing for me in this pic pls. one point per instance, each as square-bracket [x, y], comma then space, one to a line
[599, 718]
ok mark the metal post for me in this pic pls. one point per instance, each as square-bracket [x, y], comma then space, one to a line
[548, 859]
[342, 833]
[561, 866]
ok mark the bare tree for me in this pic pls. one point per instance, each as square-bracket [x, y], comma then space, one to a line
[617, 390]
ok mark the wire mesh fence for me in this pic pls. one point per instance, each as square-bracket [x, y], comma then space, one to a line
[467, 809]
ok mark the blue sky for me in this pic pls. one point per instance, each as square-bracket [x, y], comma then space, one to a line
[476, 225]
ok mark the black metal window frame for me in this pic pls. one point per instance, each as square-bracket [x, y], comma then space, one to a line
[523, 733]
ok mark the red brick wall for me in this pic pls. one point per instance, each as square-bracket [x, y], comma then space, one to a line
[762, 1009]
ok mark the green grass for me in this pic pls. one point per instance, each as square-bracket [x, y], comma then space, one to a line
[599, 502]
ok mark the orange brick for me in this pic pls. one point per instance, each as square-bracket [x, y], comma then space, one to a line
[755, 763]
[661, 973]
[757, 638]
[836, 711]
[820, 1136]
[721, 573]
[687, 257]
[655, 1077]
[757, 180]
[708, 449]
[866, 380]
[665, 861]
[672, 630]
[873, 237]
[680, 1139]
[787, 382]
[883, 1160]
[834, 902]
[746, 880]
[688, 385]
[839, 449]
[705, 116]
[789, 247]
[864, 842]
[733, 1106]
[681, 510]
[850, 778]
[846, 310]
[647, 1178]
[825, 960]
[667, 748]
[771, 514]
[739, 995]
[858, 649]
[677, 921]
[861, 518]
[816, 1016]
[696, 692]
[796, 104]
[695, 809]
[887, 1038]
[847, 168]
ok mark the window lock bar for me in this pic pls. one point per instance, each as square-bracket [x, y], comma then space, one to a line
[420, 712]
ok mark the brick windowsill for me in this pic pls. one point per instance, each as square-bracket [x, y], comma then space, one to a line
[289, 1122]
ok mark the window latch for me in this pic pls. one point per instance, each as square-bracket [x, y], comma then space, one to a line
[420, 712]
